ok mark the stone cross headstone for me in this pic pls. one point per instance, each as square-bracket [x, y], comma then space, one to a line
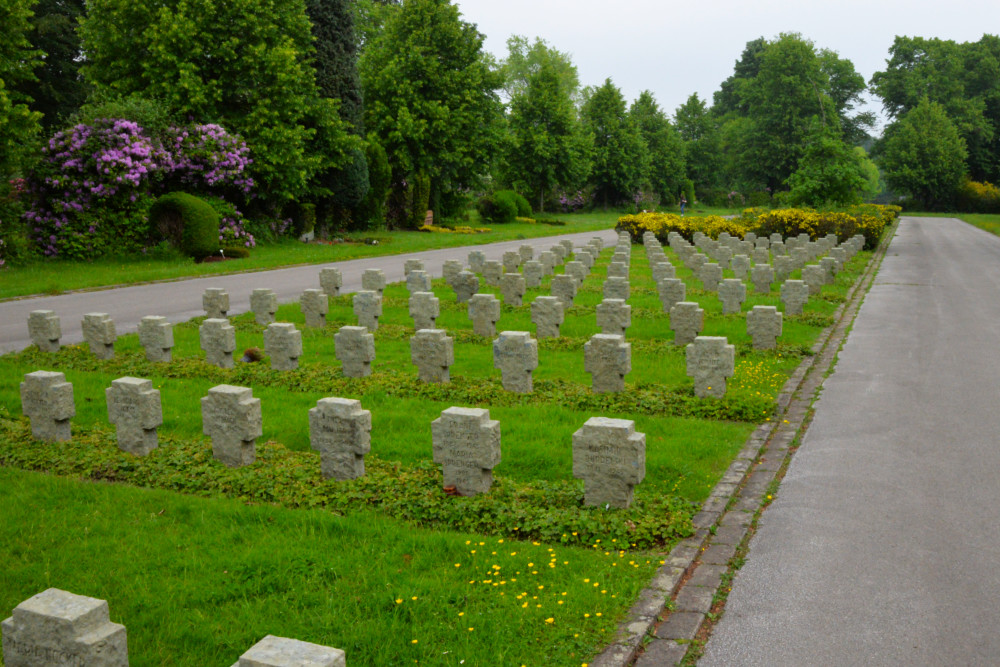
[56, 628]
[511, 261]
[331, 280]
[799, 257]
[215, 301]
[577, 270]
[778, 249]
[663, 270]
[450, 270]
[559, 251]
[783, 267]
[373, 280]
[466, 442]
[710, 360]
[608, 359]
[583, 256]
[710, 275]
[762, 242]
[465, 285]
[618, 270]
[411, 265]
[368, 308]
[515, 353]
[548, 261]
[616, 288]
[761, 255]
[264, 304]
[547, 316]
[484, 311]
[814, 277]
[533, 273]
[134, 408]
[432, 352]
[476, 260]
[274, 651]
[614, 316]
[492, 270]
[568, 245]
[794, 294]
[231, 418]
[418, 280]
[829, 266]
[762, 276]
[733, 293]
[838, 255]
[45, 330]
[341, 432]
[598, 242]
[424, 309]
[740, 265]
[218, 340]
[686, 319]
[670, 291]
[512, 288]
[526, 252]
[99, 334]
[354, 348]
[47, 400]
[156, 335]
[776, 238]
[315, 305]
[564, 287]
[610, 458]
[764, 326]
[283, 343]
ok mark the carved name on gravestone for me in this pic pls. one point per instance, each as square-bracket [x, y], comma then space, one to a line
[577, 270]
[373, 280]
[762, 276]
[466, 442]
[465, 285]
[783, 267]
[59, 629]
[424, 309]
[710, 360]
[511, 261]
[45, 330]
[99, 333]
[156, 336]
[432, 352]
[450, 270]
[764, 326]
[616, 288]
[231, 418]
[512, 288]
[526, 252]
[710, 275]
[614, 316]
[368, 308]
[670, 291]
[533, 273]
[547, 316]
[608, 359]
[355, 350]
[264, 304]
[484, 311]
[686, 319]
[794, 294]
[341, 432]
[315, 305]
[215, 301]
[814, 277]
[218, 340]
[283, 343]
[134, 408]
[411, 265]
[492, 270]
[331, 280]
[610, 458]
[274, 651]
[476, 260]
[418, 281]
[515, 353]
[548, 262]
[47, 400]
[733, 293]
[564, 288]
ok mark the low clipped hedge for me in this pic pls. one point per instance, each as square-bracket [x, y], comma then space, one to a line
[188, 222]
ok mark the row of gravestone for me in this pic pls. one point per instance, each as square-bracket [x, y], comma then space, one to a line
[466, 442]
[56, 628]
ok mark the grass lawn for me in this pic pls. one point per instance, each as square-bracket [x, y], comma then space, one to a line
[386, 567]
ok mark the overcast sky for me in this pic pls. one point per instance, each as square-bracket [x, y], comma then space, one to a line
[675, 49]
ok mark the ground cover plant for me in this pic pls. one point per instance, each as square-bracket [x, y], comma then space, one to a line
[690, 443]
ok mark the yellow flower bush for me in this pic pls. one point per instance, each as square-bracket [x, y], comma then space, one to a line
[978, 197]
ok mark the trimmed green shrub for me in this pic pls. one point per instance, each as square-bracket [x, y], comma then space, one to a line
[188, 222]
[523, 207]
[421, 199]
[497, 207]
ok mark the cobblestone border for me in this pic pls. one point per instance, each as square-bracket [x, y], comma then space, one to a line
[693, 570]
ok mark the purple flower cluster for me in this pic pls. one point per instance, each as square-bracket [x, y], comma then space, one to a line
[208, 157]
[572, 204]
[232, 233]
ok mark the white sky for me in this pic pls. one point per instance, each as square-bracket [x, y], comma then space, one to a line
[678, 48]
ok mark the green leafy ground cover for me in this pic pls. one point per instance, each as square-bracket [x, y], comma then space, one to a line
[690, 442]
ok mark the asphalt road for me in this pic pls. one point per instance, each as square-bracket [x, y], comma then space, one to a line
[179, 301]
[882, 546]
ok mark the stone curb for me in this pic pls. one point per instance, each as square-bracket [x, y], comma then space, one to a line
[705, 556]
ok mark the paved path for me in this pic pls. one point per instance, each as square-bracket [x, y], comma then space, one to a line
[179, 301]
[883, 544]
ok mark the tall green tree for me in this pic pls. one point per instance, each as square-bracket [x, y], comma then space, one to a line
[431, 97]
[621, 160]
[19, 125]
[729, 97]
[699, 130]
[664, 146]
[525, 58]
[923, 154]
[828, 174]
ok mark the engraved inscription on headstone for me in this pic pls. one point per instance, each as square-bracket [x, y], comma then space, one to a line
[341, 432]
[47, 400]
[134, 408]
[610, 457]
[466, 442]
[432, 352]
[231, 418]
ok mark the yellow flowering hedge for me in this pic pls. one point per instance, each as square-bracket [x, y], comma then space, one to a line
[978, 197]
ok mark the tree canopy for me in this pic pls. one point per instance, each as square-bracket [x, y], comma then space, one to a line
[621, 159]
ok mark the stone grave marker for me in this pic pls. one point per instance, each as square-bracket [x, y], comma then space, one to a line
[597, 242]
[663, 270]
[512, 288]
[733, 293]
[215, 301]
[533, 273]
[568, 245]
[418, 281]
[577, 270]
[740, 265]
[617, 270]
[799, 257]
[466, 284]
[59, 629]
[412, 265]
[218, 341]
[762, 276]
[783, 267]
[547, 316]
[477, 258]
[778, 249]
[355, 350]
[710, 275]
[814, 277]
[341, 432]
[283, 343]
[264, 304]
[526, 252]
[761, 255]
[274, 651]
[794, 294]
[584, 256]
[695, 261]
[231, 418]
[614, 317]
[559, 251]
[564, 287]
[368, 308]
[750, 237]
[686, 319]
[511, 261]
[616, 287]
[432, 352]
[610, 458]
[315, 306]
[99, 333]
[45, 330]
[515, 353]
[331, 280]
[710, 360]
[670, 291]
[548, 261]
[156, 335]
[776, 238]
[764, 326]
[134, 408]
[373, 280]
[466, 442]
[608, 359]
[839, 255]
[829, 266]
[492, 270]
[424, 309]
[484, 311]
[450, 270]
[47, 400]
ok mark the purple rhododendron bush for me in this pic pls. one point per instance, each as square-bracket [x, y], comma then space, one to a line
[90, 194]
